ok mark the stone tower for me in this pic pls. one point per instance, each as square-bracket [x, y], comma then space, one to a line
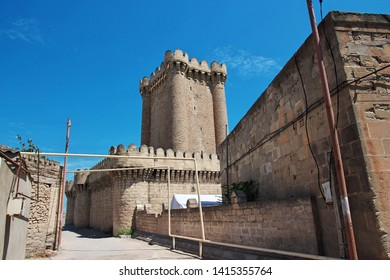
[183, 105]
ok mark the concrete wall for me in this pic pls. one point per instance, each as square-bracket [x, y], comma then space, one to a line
[270, 144]
[14, 211]
[44, 210]
[283, 225]
[184, 106]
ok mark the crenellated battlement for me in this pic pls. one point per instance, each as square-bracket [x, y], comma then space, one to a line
[156, 155]
[180, 61]
[151, 159]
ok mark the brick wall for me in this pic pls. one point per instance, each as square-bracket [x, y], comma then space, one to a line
[284, 225]
[271, 147]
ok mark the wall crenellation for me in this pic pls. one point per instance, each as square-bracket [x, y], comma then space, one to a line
[198, 71]
[183, 114]
[146, 151]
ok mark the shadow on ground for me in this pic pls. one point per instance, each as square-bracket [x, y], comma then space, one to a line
[86, 232]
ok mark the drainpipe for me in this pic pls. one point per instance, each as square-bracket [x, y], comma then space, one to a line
[334, 139]
[62, 189]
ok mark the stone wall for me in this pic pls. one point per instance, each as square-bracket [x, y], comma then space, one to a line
[282, 225]
[41, 232]
[106, 200]
[270, 145]
[184, 105]
[365, 47]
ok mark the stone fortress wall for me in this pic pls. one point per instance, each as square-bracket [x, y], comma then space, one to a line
[107, 200]
[270, 145]
[183, 117]
[278, 144]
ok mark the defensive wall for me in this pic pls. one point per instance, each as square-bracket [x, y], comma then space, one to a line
[274, 142]
[106, 200]
[183, 104]
[42, 222]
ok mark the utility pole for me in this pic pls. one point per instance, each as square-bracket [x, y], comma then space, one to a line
[62, 189]
[334, 138]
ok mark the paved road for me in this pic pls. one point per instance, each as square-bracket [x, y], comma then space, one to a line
[87, 244]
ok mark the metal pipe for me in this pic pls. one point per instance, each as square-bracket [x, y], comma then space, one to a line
[200, 202]
[169, 208]
[16, 164]
[174, 236]
[62, 190]
[334, 138]
[26, 196]
[259, 249]
[106, 156]
[119, 169]
[227, 165]
[38, 171]
[144, 157]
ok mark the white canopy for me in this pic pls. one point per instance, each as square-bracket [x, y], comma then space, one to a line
[180, 200]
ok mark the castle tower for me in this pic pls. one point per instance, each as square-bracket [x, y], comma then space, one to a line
[183, 105]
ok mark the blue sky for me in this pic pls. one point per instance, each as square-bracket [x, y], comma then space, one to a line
[83, 60]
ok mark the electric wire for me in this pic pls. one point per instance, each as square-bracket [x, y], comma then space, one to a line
[337, 104]
[269, 136]
[307, 129]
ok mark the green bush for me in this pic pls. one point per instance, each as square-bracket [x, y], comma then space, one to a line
[124, 231]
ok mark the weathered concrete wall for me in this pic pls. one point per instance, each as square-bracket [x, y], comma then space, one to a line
[283, 225]
[44, 210]
[270, 144]
[184, 105]
[14, 211]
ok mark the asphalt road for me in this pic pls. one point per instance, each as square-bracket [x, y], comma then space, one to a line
[87, 244]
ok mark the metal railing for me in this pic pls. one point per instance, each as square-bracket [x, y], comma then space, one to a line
[201, 240]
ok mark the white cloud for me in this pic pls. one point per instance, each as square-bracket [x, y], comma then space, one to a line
[25, 29]
[247, 64]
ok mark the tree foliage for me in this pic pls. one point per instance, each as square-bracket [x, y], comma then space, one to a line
[249, 188]
[27, 147]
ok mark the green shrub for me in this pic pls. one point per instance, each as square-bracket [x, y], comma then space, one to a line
[124, 231]
[249, 188]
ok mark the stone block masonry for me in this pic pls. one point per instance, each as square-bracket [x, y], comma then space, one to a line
[183, 104]
[271, 146]
[106, 200]
[41, 232]
[282, 225]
